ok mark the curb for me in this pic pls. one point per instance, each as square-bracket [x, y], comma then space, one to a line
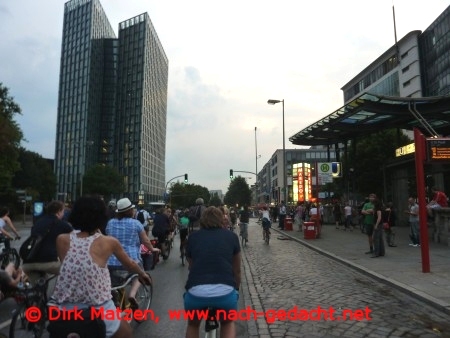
[432, 301]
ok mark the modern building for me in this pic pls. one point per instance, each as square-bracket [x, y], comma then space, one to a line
[112, 102]
[406, 87]
[270, 179]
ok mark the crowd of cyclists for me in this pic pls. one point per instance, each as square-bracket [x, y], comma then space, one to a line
[92, 243]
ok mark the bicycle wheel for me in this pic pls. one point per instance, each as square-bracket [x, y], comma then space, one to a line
[183, 254]
[267, 236]
[22, 328]
[144, 296]
[168, 247]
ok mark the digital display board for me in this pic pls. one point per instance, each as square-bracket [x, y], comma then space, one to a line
[438, 149]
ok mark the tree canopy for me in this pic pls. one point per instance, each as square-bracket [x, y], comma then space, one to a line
[238, 192]
[10, 137]
[103, 180]
[184, 195]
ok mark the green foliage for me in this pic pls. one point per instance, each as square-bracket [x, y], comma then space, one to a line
[238, 192]
[35, 175]
[184, 195]
[10, 138]
[371, 153]
[215, 200]
[103, 180]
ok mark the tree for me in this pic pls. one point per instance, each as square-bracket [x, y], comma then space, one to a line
[371, 154]
[103, 180]
[10, 138]
[184, 195]
[35, 175]
[215, 200]
[238, 192]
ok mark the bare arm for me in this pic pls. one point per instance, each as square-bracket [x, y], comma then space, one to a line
[11, 225]
[146, 241]
[128, 263]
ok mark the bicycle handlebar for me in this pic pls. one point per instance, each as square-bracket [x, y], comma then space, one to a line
[129, 278]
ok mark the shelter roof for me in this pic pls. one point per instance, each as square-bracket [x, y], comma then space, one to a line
[370, 113]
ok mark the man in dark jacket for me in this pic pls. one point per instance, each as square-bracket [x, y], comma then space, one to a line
[51, 226]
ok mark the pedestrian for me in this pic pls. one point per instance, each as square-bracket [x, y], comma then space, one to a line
[413, 212]
[348, 217]
[390, 217]
[281, 215]
[298, 218]
[378, 242]
[214, 258]
[439, 201]
[244, 218]
[368, 221]
[50, 225]
[337, 212]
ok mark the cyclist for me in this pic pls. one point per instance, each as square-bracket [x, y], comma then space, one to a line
[50, 225]
[161, 229]
[184, 227]
[233, 217]
[266, 223]
[214, 258]
[131, 234]
[84, 278]
[5, 220]
[244, 218]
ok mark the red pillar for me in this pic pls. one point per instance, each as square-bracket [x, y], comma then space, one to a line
[420, 157]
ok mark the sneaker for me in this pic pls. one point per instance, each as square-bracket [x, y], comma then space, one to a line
[411, 244]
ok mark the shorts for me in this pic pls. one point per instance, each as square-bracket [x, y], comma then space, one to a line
[225, 302]
[111, 325]
[369, 229]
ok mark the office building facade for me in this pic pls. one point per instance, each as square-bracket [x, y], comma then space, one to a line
[112, 102]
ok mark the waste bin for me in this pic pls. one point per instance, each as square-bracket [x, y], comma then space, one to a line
[309, 230]
[288, 224]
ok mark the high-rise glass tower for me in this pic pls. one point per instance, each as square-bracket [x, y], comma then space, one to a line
[112, 102]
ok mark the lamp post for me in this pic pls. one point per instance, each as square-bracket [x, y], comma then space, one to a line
[256, 170]
[284, 153]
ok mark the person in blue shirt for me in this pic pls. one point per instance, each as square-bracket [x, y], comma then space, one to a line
[214, 258]
[131, 234]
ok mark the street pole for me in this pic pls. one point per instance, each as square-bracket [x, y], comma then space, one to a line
[256, 170]
[284, 162]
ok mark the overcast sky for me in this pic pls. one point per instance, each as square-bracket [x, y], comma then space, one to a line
[226, 59]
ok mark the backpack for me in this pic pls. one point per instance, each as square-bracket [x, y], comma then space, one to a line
[140, 216]
[32, 245]
[195, 213]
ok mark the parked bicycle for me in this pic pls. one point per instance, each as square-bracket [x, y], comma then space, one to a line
[7, 253]
[120, 290]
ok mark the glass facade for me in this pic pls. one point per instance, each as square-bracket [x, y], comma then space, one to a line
[435, 56]
[109, 90]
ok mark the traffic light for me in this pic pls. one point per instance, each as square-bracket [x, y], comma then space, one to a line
[231, 174]
[185, 178]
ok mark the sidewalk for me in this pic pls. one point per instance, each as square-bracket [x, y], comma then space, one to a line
[401, 267]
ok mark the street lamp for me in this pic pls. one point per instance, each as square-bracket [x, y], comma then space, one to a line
[284, 152]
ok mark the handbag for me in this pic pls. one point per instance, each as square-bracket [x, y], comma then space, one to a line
[30, 248]
[386, 225]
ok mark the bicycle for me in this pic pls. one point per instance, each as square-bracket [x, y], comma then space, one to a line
[8, 254]
[244, 233]
[121, 288]
[266, 224]
[28, 296]
[211, 324]
[183, 251]
[165, 247]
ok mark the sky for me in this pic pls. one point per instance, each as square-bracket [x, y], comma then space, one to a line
[226, 59]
